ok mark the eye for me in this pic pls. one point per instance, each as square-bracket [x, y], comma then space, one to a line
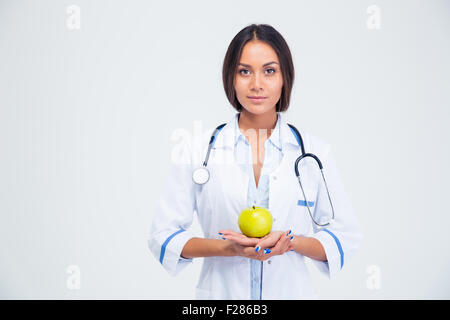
[272, 69]
[240, 71]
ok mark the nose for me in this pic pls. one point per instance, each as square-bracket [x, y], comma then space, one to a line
[256, 82]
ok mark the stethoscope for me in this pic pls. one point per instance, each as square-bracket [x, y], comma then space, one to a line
[201, 175]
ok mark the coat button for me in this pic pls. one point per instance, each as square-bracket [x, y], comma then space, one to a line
[269, 262]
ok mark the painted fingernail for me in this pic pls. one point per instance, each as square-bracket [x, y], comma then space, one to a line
[223, 238]
[288, 233]
[291, 250]
[221, 233]
[266, 251]
[292, 238]
[257, 248]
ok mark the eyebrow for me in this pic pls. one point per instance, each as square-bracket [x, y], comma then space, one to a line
[265, 64]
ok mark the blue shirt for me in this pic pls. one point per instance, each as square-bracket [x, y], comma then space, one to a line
[258, 196]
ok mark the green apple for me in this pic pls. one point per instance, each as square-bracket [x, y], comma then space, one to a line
[255, 222]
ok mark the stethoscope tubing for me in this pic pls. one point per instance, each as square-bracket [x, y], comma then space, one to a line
[297, 161]
[304, 155]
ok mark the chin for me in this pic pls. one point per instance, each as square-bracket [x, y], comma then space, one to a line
[258, 109]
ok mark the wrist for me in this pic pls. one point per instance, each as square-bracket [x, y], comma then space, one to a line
[297, 242]
[228, 249]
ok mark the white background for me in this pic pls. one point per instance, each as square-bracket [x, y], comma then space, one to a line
[86, 117]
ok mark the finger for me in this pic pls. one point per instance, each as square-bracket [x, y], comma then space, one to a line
[289, 238]
[245, 241]
[229, 232]
[288, 234]
[250, 253]
[287, 245]
[267, 253]
[283, 242]
[260, 246]
[226, 233]
[264, 253]
[264, 244]
[249, 242]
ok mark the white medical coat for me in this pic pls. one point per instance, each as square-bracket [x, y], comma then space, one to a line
[219, 202]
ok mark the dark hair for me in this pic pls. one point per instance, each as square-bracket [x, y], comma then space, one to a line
[268, 34]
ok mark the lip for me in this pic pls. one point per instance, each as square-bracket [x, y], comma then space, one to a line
[257, 99]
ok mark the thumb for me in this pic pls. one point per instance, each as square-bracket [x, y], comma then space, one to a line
[263, 244]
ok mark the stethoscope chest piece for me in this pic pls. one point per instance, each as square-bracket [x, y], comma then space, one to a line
[200, 175]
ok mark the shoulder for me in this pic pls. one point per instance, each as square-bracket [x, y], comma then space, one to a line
[313, 143]
[316, 144]
[182, 147]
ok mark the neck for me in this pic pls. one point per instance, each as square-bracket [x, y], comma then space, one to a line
[266, 121]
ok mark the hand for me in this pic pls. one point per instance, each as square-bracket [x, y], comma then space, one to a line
[275, 243]
[240, 244]
[239, 238]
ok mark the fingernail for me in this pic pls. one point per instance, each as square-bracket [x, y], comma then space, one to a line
[223, 238]
[257, 248]
[266, 251]
[291, 250]
[292, 238]
[288, 233]
[221, 233]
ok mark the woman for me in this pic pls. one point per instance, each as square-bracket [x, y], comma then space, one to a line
[258, 75]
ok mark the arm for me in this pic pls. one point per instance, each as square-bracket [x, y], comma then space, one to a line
[309, 247]
[174, 214]
[199, 247]
[229, 247]
[279, 242]
[341, 239]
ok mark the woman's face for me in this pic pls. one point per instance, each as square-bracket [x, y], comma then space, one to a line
[258, 75]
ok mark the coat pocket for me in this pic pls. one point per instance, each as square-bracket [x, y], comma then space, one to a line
[308, 199]
[302, 215]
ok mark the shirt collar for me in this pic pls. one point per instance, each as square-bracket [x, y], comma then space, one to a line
[274, 136]
[230, 134]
